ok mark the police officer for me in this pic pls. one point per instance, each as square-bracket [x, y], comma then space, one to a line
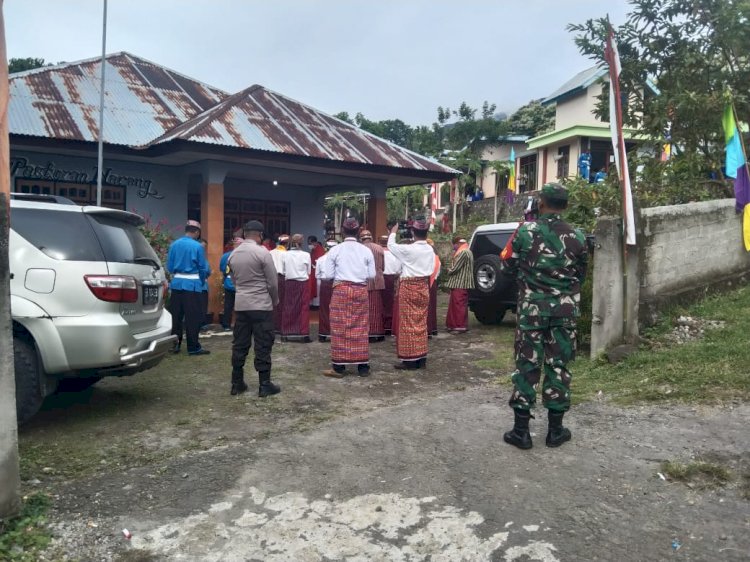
[186, 261]
[549, 259]
[256, 285]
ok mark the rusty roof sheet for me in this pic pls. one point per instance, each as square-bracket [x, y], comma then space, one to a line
[147, 104]
[260, 119]
[143, 100]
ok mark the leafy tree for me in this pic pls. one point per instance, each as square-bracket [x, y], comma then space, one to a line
[532, 119]
[344, 116]
[403, 202]
[696, 52]
[29, 63]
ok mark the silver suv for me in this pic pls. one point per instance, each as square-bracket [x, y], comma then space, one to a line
[87, 297]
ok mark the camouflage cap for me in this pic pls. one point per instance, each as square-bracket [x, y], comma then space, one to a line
[554, 191]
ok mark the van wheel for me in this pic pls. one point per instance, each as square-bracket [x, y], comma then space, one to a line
[29, 395]
[489, 315]
[77, 385]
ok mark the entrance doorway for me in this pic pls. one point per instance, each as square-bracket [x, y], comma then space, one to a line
[275, 215]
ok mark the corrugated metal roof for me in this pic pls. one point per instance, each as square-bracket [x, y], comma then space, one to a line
[580, 81]
[147, 104]
[143, 100]
[260, 119]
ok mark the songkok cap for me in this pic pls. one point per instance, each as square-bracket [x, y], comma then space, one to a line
[331, 243]
[365, 235]
[383, 239]
[555, 191]
[194, 224]
[254, 225]
[351, 224]
[420, 224]
[283, 238]
[297, 239]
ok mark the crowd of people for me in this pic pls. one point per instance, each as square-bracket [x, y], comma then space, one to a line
[365, 291]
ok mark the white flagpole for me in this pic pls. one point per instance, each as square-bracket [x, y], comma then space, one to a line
[100, 159]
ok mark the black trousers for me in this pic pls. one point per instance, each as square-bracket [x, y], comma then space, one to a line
[249, 325]
[204, 307]
[228, 308]
[187, 305]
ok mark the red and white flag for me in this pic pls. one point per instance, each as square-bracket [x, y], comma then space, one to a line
[618, 142]
[433, 202]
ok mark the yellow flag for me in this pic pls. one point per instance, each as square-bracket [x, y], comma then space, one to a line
[746, 227]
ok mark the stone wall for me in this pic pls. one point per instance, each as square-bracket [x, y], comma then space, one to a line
[683, 252]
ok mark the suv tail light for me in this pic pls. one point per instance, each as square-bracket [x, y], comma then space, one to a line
[113, 288]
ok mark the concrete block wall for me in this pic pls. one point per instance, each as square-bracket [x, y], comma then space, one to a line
[683, 252]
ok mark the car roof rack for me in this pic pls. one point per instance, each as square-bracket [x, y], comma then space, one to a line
[38, 198]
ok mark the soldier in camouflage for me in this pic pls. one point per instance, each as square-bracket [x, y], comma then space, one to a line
[549, 259]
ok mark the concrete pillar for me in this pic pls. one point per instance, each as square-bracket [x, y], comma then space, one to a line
[212, 223]
[377, 212]
[10, 482]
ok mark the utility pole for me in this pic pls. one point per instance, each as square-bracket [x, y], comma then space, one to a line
[10, 482]
[100, 153]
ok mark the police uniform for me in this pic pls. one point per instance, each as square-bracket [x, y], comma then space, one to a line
[186, 261]
[256, 284]
[549, 259]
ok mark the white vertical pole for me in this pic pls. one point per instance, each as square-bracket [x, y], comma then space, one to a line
[100, 160]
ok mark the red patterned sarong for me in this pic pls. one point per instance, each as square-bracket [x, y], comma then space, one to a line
[376, 314]
[324, 322]
[432, 311]
[277, 312]
[388, 299]
[457, 319]
[413, 302]
[295, 314]
[349, 316]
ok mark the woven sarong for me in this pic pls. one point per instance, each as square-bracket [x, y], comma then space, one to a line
[349, 316]
[324, 322]
[376, 314]
[295, 315]
[413, 302]
[432, 311]
[457, 319]
[279, 307]
[388, 298]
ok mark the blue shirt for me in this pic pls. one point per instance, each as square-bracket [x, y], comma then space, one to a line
[228, 285]
[188, 257]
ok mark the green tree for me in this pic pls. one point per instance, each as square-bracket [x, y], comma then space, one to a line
[344, 116]
[19, 65]
[696, 51]
[532, 119]
[403, 202]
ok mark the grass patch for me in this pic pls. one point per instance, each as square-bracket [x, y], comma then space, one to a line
[706, 474]
[713, 369]
[24, 536]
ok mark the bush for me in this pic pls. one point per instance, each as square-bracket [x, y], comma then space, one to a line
[158, 235]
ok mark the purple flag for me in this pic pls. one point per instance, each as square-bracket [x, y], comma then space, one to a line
[741, 189]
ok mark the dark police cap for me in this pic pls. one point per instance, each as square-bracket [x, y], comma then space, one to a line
[554, 191]
[256, 226]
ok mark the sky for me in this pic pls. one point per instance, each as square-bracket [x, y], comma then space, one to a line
[385, 58]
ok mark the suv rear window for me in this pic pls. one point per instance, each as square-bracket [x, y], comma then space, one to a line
[62, 235]
[490, 243]
[122, 242]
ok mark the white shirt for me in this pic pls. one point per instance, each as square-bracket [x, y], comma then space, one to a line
[320, 266]
[392, 265]
[417, 259]
[349, 261]
[297, 265]
[278, 260]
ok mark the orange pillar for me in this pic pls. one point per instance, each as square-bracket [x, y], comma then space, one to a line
[212, 224]
[377, 216]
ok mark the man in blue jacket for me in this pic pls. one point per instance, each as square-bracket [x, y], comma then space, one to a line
[186, 261]
[229, 290]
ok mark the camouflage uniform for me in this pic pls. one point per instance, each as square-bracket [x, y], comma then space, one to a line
[549, 259]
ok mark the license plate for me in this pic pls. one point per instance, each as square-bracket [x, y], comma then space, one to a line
[150, 294]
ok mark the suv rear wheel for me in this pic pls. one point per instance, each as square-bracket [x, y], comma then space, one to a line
[29, 395]
[490, 315]
[487, 274]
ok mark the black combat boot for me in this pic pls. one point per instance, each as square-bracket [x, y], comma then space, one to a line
[519, 436]
[238, 383]
[267, 388]
[556, 434]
